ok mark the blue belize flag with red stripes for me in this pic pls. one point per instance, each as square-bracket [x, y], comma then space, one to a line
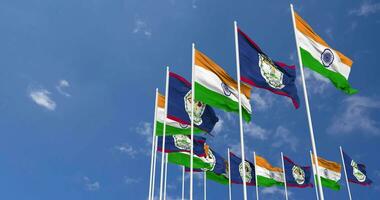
[179, 105]
[237, 173]
[356, 173]
[297, 176]
[258, 70]
[182, 143]
[220, 167]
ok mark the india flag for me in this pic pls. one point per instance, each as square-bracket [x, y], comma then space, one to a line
[172, 127]
[329, 172]
[317, 55]
[216, 88]
[267, 175]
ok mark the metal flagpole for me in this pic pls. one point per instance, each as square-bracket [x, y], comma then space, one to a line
[240, 111]
[307, 107]
[257, 184]
[164, 132]
[166, 174]
[154, 166]
[204, 185]
[229, 175]
[315, 182]
[153, 150]
[192, 122]
[283, 170]
[183, 182]
[345, 173]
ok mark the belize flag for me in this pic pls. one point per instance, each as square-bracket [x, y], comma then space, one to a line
[237, 173]
[356, 173]
[179, 105]
[182, 143]
[297, 176]
[258, 70]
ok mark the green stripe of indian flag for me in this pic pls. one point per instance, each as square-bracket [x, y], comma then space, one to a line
[172, 127]
[329, 178]
[208, 89]
[338, 72]
[183, 158]
[269, 178]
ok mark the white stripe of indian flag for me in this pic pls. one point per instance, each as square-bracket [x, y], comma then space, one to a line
[330, 173]
[317, 55]
[172, 127]
[216, 88]
[267, 175]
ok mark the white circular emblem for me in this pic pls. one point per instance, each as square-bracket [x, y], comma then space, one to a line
[327, 57]
[360, 176]
[298, 174]
[182, 142]
[199, 108]
[226, 89]
[270, 73]
[210, 159]
[248, 171]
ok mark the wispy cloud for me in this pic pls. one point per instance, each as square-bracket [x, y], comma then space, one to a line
[262, 100]
[146, 130]
[127, 149]
[316, 83]
[62, 85]
[91, 185]
[283, 137]
[356, 115]
[42, 98]
[130, 180]
[256, 131]
[218, 127]
[274, 191]
[141, 27]
[366, 8]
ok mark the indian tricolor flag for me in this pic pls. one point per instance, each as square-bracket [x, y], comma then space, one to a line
[329, 172]
[172, 127]
[317, 55]
[214, 87]
[267, 175]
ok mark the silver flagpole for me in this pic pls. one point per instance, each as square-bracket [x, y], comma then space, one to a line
[345, 173]
[307, 106]
[164, 133]
[153, 150]
[183, 182]
[229, 175]
[257, 184]
[166, 175]
[240, 111]
[154, 166]
[283, 170]
[192, 122]
[315, 182]
[204, 185]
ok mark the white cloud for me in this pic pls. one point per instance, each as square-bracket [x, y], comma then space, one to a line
[146, 130]
[366, 8]
[284, 138]
[91, 185]
[315, 83]
[356, 115]
[41, 97]
[274, 191]
[218, 127]
[127, 149]
[142, 28]
[62, 84]
[129, 180]
[261, 100]
[256, 131]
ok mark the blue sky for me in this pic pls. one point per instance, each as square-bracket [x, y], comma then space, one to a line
[77, 88]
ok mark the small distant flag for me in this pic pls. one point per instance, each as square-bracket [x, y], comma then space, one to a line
[237, 168]
[330, 173]
[258, 70]
[296, 176]
[318, 56]
[356, 173]
[182, 143]
[267, 175]
[216, 88]
[179, 105]
[172, 127]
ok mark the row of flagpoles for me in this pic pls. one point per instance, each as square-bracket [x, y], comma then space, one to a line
[327, 60]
